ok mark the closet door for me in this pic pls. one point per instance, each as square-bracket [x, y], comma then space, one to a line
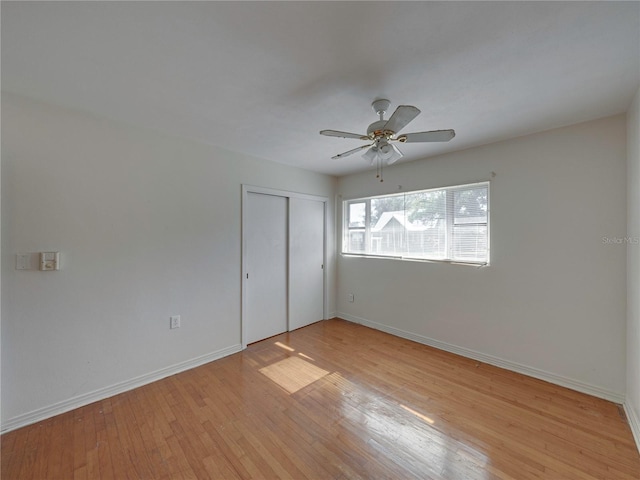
[266, 264]
[306, 262]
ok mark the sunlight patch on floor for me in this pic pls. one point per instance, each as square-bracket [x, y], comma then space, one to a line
[293, 373]
[418, 414]
[286, 347]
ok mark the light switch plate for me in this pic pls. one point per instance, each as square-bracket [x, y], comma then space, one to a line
[49, 261]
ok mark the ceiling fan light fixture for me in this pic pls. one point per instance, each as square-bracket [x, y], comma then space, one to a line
[390, 153]
[383, 152]
[371, 154]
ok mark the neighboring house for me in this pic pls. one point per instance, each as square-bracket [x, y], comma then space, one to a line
[393, 233]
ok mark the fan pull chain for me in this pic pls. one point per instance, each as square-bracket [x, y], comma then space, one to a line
[379, 169]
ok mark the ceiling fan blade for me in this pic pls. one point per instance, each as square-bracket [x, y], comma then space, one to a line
[336, 133]
[401, 117]
[432, 136]
[351, 152]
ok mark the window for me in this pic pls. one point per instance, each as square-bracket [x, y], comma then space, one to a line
[449, 224]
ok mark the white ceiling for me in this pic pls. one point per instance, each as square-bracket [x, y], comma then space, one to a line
[263, 78]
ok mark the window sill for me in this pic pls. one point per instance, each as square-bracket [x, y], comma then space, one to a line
[419, 260]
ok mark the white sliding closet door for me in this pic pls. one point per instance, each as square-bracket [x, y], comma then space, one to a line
[306, 262]
[266, 238]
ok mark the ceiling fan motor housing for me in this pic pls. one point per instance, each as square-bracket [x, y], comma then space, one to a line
[376, 129]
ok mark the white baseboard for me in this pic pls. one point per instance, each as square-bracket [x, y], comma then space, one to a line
[491, 360]
[102, 393]
[634, 421]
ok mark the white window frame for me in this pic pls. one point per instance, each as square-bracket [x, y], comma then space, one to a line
[449, 224]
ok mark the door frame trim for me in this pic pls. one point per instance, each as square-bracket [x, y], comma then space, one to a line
[246, 189]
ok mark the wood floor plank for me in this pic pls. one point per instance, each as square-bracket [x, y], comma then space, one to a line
[333, 400]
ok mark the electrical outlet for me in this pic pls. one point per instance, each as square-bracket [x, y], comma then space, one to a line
[174, 321]
[351, 298]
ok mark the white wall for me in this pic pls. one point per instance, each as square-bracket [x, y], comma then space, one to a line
[633, 266]
[148, 226]
[552, 302]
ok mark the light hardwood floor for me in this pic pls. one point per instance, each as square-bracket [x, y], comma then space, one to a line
[333, 400]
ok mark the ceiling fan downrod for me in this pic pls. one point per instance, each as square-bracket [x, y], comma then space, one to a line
[380, 106]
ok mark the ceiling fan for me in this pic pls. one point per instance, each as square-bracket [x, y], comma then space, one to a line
[384, 133]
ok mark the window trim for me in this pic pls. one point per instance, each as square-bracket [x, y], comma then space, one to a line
[449, 225]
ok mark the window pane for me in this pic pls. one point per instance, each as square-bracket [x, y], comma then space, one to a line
[426, 227]
[357, 214]
[382, 205]
[388, 225]
[470, 206]
[470, 242]
[356, 241]
[470, 224]
[388, 236]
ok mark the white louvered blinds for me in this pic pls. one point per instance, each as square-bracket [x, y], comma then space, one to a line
[449, 224]
[470, 224]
